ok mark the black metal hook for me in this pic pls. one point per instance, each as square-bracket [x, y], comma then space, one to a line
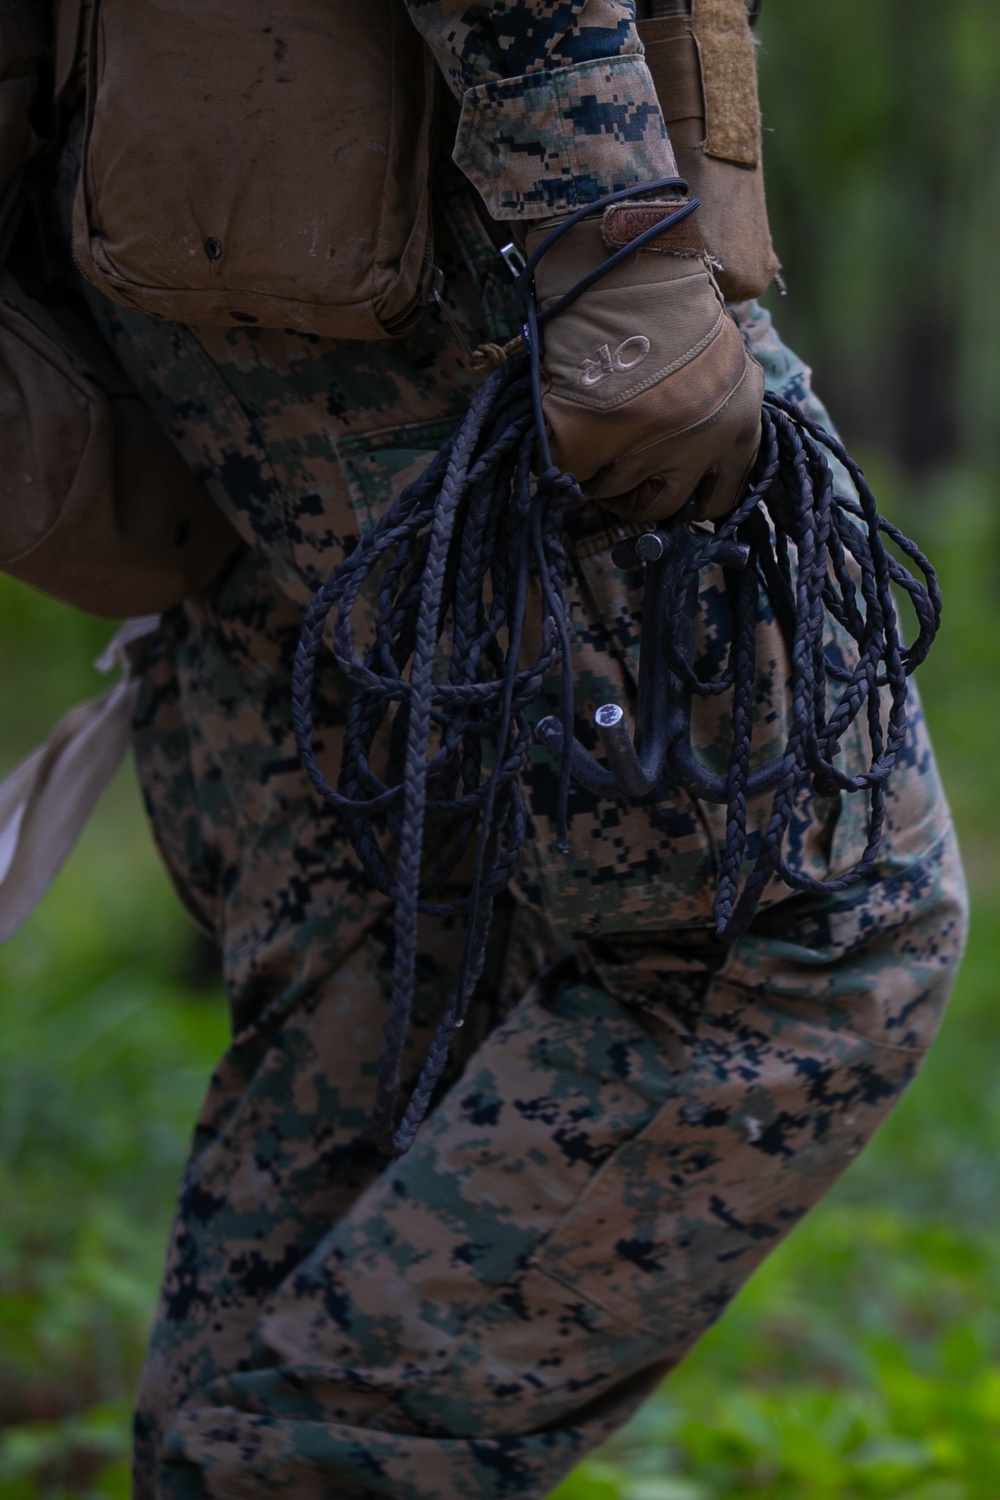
[673, 558]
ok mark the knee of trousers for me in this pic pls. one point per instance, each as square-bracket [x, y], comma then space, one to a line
[399, 1338]
[877, 962]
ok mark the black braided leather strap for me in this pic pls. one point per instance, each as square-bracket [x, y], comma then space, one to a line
[438, 725]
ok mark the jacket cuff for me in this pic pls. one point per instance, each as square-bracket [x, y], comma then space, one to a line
[558, 139]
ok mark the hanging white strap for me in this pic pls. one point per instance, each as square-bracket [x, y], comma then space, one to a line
[46, 800]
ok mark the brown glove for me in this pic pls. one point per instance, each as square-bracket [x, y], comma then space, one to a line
[650, 396]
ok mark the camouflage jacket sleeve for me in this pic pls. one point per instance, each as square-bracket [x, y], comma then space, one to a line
[558, 106]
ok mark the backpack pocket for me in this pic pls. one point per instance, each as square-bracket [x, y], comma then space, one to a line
[98, 509]
[704, 72]
[247, 163]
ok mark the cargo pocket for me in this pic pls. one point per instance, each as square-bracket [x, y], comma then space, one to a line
[674, 875]
[377, 466]
[634, 866]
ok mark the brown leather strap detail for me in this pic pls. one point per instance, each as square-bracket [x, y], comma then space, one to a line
[623, 221]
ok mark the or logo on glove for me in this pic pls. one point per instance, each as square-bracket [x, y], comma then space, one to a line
[630, 352]
[645, 420]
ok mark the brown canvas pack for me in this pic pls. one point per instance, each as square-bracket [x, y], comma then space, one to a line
[705, 76]
[96, 507]
[23, 45]
[249, 161]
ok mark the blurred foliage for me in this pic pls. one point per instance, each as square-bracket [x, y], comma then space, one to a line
[882, 151]
[107, 1037]
[863, 1361]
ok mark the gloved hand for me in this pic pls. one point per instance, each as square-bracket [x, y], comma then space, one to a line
[650, 396]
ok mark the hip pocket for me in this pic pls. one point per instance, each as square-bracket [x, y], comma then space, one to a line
[630, 865]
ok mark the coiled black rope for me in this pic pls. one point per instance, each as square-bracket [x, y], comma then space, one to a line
[458, 548]
[441, 696]
[810, 553]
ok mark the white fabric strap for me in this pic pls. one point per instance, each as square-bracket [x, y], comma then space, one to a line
[46, 800]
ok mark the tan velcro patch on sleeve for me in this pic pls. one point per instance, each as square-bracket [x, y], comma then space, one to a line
[729, 75]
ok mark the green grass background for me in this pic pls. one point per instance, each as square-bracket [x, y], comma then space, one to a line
[863, 1360]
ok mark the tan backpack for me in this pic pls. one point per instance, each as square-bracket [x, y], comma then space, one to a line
[249, 162]
[702, 62]
[96, 506]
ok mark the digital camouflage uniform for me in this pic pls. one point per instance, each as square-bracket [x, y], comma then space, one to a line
[636, 1113]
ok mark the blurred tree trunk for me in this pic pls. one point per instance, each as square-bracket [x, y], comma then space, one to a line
[882, 149]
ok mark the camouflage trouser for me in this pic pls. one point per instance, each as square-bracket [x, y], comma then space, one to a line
[636, 1114]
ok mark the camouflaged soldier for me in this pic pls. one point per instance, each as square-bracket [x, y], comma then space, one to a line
[637, 1113]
